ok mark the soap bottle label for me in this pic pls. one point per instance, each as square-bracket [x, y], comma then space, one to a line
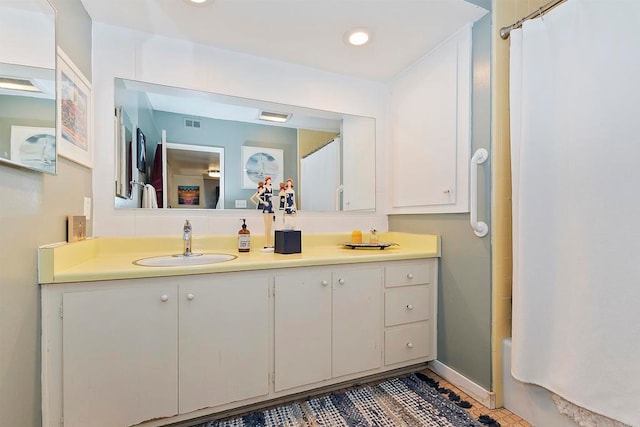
[244, 242]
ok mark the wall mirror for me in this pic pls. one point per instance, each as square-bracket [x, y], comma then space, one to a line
[28, 85]
[213, 150]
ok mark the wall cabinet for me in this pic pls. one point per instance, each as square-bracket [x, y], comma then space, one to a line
[430, 106]
[117, 353]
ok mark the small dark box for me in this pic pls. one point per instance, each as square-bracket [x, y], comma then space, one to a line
[288, 242]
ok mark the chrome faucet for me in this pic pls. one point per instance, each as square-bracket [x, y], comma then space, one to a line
[186, 239]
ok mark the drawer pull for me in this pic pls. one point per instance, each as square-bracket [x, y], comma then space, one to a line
[409, 276]
[409, 344]
[409, 307]
[190, 296]
[164, 298]
[341, 281]
[324, 283]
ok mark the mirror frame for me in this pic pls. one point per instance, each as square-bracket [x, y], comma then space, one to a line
[128, 92]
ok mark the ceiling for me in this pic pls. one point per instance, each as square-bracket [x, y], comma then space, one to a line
[304, 32]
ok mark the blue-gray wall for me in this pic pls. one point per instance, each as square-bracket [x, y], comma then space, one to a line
[464, 292]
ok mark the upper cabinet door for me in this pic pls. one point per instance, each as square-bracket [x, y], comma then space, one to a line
[430, 126]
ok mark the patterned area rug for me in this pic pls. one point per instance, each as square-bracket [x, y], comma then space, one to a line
[414, 400]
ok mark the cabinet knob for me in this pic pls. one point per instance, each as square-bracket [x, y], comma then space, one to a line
[341, 281]
[190, 296]
[409, 276]
[164, 298]
[324, 283]
[446, 191]
[409, 344]
[409, 307]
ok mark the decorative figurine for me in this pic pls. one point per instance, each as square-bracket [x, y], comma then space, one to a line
[256, 198]
[289, 205]
[267, 211]
[281, 203]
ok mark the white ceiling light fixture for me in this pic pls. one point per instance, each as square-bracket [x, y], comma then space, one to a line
[199, 2]
[12, 83]
[274, 117]
[358, 37]
[214, 173]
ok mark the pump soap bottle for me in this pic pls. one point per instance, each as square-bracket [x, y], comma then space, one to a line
[244, 238]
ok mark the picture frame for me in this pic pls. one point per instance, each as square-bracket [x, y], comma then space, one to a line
[189, 195]
[141, 150]
[74, 112]
[260, 162]
[34, 147]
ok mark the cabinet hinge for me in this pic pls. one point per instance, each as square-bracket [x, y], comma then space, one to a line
[273, 378]
[61, 421]
[61, 311]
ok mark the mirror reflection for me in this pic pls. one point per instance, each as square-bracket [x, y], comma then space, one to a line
[180, 148]
[27, 85]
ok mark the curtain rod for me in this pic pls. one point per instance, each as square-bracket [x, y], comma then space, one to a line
[505, 31]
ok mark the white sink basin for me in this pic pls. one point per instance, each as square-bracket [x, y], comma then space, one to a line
[181, 260]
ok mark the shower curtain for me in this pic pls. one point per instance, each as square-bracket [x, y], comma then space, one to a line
[320, 178]
[575, 136]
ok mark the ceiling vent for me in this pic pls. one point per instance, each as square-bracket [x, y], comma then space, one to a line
[192, 123]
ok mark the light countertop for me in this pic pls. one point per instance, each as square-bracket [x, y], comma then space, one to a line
[111, 258]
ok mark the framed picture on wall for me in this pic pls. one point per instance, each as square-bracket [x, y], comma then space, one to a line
[141, 151]
[189, 195]
[260, 162]
[34, 147]
[73, 135]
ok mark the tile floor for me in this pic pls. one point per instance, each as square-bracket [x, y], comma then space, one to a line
[502, 416]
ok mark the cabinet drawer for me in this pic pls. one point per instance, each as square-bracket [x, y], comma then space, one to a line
[408, 273]
[407, 304]
[407, 342]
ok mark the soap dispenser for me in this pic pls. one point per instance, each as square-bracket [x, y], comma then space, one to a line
[244, 238]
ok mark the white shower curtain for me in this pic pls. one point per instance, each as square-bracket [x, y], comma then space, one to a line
[575, 135]
[320, 178]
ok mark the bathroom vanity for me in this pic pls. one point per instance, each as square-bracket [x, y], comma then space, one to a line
[124, 344]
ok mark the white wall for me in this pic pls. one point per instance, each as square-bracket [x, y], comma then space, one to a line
[140, 56]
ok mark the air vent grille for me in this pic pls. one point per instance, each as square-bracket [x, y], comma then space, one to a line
[192, 123]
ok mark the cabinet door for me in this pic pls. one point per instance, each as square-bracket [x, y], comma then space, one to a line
[302, 328]
[430, 108]
[357, 320]
[120, 349]
[224, 350]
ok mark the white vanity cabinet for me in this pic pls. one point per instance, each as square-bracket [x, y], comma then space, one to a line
[153, 351]
[223, 339]
[302, 327]
[326, 323]
[409, 310]
[129, 351]
[119, 354]
[357, 315]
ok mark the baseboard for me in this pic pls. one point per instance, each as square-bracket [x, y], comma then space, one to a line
[485, 397]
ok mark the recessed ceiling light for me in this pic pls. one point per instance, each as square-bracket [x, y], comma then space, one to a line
[199, 2]
[357, 37]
